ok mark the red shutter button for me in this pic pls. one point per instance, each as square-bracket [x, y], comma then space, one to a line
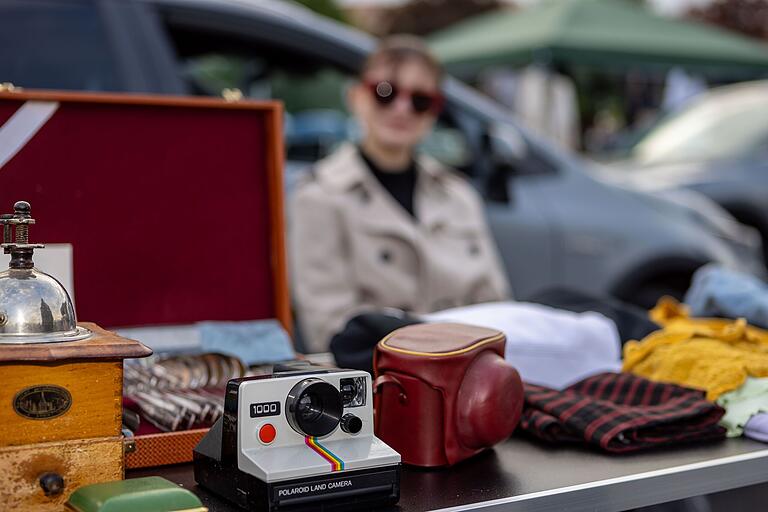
[267, 433]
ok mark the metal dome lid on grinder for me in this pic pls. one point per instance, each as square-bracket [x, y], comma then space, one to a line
[34, 307]
[61, 398]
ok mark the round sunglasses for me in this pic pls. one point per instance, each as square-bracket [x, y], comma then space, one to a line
[385, 93]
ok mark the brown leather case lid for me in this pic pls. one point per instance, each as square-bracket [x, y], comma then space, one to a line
[439, 339]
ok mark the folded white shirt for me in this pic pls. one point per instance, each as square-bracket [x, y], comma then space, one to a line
[549, 347]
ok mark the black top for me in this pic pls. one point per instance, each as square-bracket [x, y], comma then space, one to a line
[530, 471]
[400, 183]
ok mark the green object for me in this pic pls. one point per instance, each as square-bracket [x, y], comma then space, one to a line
[309, 90]
[149, 494]
[742, 403]
[599, 33]
[327, 8]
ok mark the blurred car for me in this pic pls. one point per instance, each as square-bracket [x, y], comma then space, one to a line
[555, 224]
[716, 144]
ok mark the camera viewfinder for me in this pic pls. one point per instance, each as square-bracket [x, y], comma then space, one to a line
[353, 391]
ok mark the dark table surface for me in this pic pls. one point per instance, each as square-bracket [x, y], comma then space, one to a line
[524, 475]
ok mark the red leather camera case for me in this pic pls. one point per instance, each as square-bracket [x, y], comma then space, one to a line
[443, 392]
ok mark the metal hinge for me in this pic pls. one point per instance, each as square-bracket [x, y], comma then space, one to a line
[9, 87]
[129, 445]
[232, 95]
[129, 442]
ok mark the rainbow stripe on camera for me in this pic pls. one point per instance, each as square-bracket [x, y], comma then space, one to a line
[336, 463]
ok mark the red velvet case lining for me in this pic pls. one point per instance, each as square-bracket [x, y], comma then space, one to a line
[166, 208]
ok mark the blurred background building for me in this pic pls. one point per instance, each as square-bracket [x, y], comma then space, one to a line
[592, 75]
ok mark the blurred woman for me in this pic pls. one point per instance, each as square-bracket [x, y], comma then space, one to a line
[378, 225]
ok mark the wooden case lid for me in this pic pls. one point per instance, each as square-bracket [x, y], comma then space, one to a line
[439, 339]
[173, 206]
[102, 344]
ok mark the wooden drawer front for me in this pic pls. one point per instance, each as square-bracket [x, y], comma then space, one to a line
[78, 462]
[96, 401]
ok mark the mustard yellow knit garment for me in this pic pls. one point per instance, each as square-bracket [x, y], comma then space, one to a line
[712, 354]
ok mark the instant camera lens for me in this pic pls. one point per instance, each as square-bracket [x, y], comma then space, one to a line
[313, 407]
[309, 408]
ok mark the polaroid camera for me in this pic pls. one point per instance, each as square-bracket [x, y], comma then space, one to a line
[299, 437]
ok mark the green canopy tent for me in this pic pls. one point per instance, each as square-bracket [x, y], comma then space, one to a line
[596, 33]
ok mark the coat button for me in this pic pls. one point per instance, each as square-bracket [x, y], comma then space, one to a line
[385, 256]
[438, 228]
[474, 250]
[365, 196]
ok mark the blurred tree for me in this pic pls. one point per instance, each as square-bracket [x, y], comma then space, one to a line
[750, 17]
[327, 8]
[421, 17]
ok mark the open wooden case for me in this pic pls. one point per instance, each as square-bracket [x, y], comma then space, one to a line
[173, 207]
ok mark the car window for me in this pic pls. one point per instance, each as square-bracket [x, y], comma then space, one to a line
[215, 63]
[55, 45]
[725, 125]
[317, 119]
[514, 155]
[449, 145]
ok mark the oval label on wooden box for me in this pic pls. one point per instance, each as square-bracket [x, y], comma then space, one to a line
[42, 402]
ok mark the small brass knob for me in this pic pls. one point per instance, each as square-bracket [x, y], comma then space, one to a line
[52, 484]
[22, 208]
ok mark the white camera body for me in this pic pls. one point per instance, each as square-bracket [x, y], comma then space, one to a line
[295, 437]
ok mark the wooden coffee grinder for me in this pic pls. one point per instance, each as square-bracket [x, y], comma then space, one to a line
[60, 385]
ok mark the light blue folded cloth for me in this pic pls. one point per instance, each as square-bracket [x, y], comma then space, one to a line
[254, 342]
[721, 292]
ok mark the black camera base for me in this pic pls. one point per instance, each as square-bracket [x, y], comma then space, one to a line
[346, 490]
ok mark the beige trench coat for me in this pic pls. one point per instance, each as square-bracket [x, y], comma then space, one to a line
[354, 248]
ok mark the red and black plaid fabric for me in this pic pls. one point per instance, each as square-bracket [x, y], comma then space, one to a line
[620, 412]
